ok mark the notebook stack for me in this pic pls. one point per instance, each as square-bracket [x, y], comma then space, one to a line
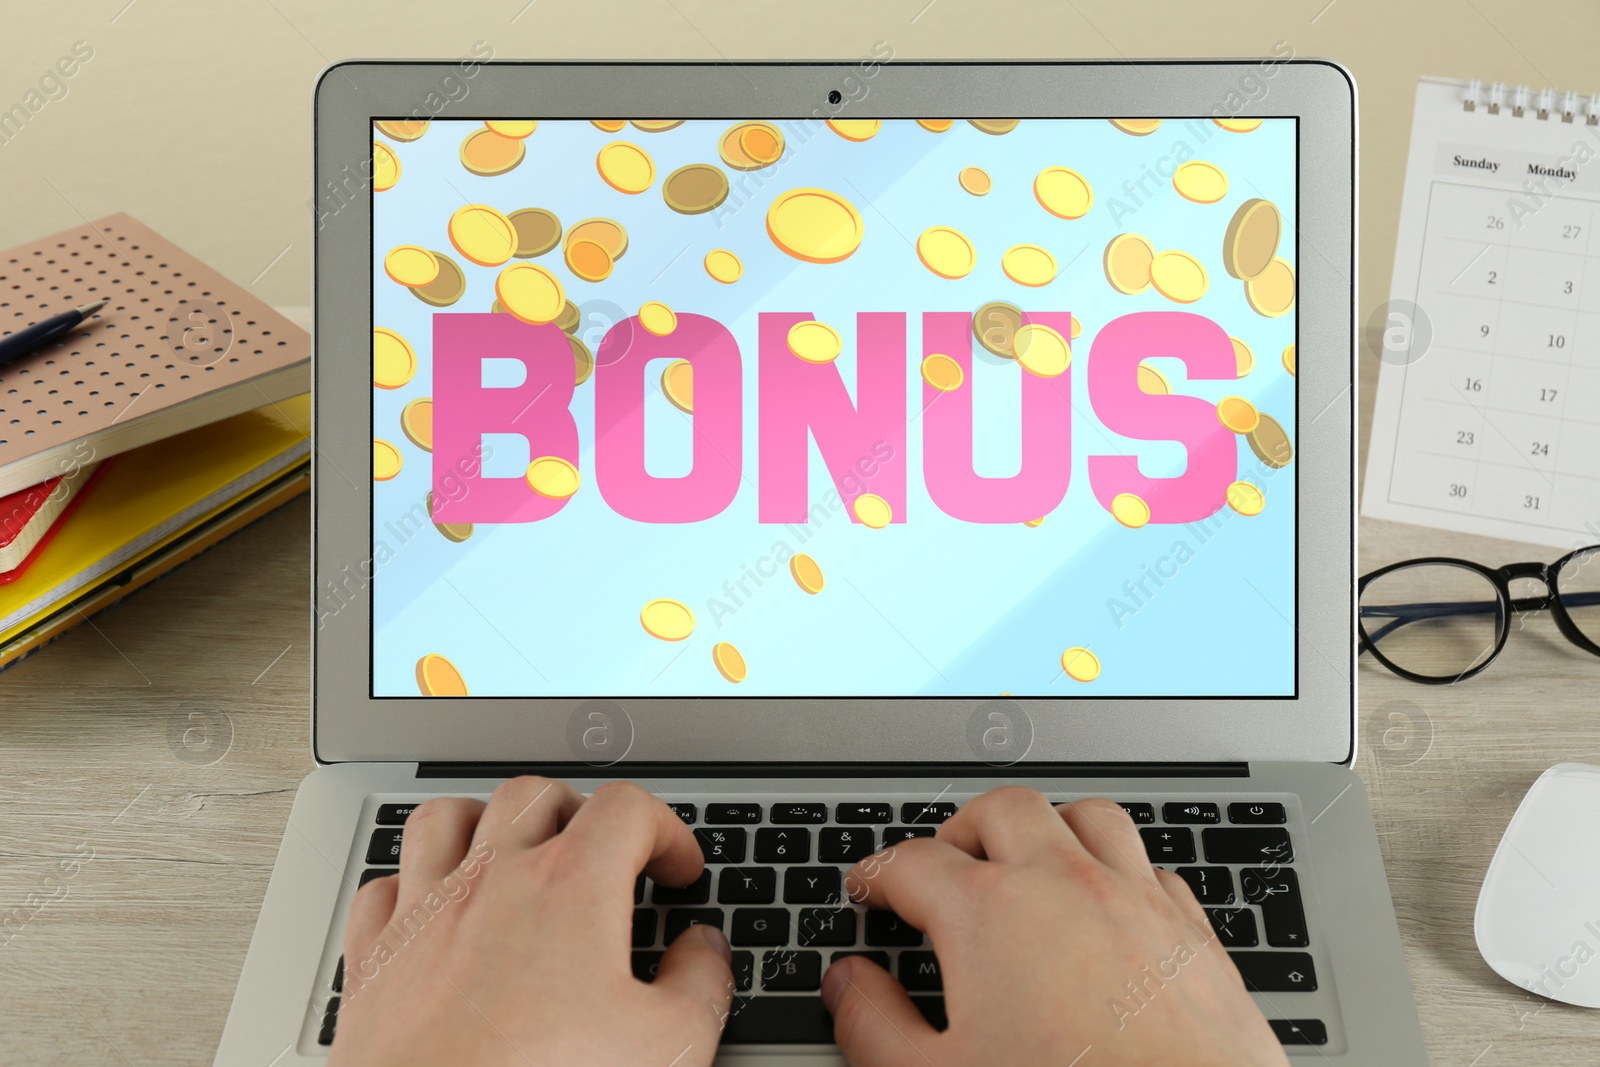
[171, 418]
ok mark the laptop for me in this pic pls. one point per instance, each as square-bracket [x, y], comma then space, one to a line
[821, 445]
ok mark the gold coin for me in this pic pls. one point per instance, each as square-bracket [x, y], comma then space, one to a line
[815, 342]
[393, 361]
[1063, 192]
[385, 167]
[750, 145]
[588, 260]
[1127, 263]
[498, 308]
[483, 235]
[872, 511]
[416, 422]
[657, 318]
[1028, 265]
[942, 372]
[724, 266]
[1153, 381]
[1270, 443]
[975, 180]
[569, 319]
[1271, 293]
[936, 125]
[607, 233]
[450, 531]
[487, 154]
[695, 189]
[856, 129]
[552, 477]
[1034, 523]
[677, 384]
[625, 167]
[438, 677]
[1202, 182]
[670, 620]
[1077, 326]
[1178, 276]
[1238, 125]
[403, 129]
[530, 293]
[946, 252]
[385, 460]
[1251, 239]
[1245, 498]
[1244, 360]
[447, 288]
[1080, 664]
[410, 265]
[656, 125]
[538, 231]
[513, 128]
[729, 662]
[1238, 414]
[995, 326]
[1041, 350]
[583, 360]
[815, 225]
[609, 125]
[995, 126]
[805, 572]
[1130, 510]
[1137, 127]
[1288, 359]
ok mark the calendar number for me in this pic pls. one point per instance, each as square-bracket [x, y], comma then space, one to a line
[1530, 503]
[1570, 233]
[1473, 385]
[1540, 448]
[1556, 340]
[1492, 276]
[1547, 396]
[1464, 437]
[1496, 222]
[1566, 289]
[1457, 489]
[1483, 331]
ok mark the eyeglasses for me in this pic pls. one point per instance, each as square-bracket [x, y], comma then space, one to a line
[1440, 620]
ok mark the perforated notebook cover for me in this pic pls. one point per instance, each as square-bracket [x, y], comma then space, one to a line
[178, 346]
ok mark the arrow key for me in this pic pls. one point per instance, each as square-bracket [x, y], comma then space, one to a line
[1278, 893]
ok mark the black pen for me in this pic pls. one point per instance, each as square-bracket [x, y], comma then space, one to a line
[16, 345]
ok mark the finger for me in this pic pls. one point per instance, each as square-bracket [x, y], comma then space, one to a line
[1012, 824]
[370, 912]
[1108, 833]
[436, 839]
[698, 966]
[1183, 897]
[525, 812]
[914, 878]
[622, 830]
[874, 1022]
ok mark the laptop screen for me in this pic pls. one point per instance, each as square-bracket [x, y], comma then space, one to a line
[847, 408]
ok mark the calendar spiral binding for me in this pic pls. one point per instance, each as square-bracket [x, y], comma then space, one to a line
[1523, 101]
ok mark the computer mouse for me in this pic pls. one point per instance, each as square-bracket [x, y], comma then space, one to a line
[1538, 918]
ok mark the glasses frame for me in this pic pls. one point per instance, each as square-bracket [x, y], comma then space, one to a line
[1501, 578]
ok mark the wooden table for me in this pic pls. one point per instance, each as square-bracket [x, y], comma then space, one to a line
[133, 958]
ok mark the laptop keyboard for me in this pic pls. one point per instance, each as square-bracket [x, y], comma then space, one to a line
[773, 884]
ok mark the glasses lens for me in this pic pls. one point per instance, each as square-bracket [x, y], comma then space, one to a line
[1433, 619]
[1578, 585]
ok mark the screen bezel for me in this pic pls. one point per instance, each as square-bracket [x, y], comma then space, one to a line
[1317, 724]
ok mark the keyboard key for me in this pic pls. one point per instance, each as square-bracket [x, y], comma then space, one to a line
[645, 965]
[733, 814]
[880, 958]
[919, 972]
[644, 927]
[826, 926]
[1210, 885]
[376, 872]
[338, 976]
[687, 812]
[930, 814]
[791, 971]
[721, 846]
[384, 846]
[1167, 844]
[783, 844]
[1252, 812]
[638, 890]
[394, 814]
[799, 813]
[843, 844]
[863, 813]
[330, 1020]
[696, 892]
[1276, 972]
[887, 928]
[1299, 1031]
[680, 919]
[1234, 927]
[1278, 893]
[932, 1009]
[778, 1020]
[1264, 845]
[747, 885]
[1141, 814]
[896, 834]
[812, 885]
[760, 926]
[744, 971]
[1190, 811]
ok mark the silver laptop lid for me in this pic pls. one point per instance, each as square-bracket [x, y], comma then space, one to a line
[785, 423]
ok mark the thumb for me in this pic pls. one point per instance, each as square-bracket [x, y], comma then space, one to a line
[697, 964]
[874, 1022]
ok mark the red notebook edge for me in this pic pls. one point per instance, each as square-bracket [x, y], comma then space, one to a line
[7, 577]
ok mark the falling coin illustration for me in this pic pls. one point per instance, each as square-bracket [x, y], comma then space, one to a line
[1028, 265]
[446, 288]
[626, 167]
[438, 677]
[483, 235]
[583, 360]
[530, 293]
[516, 129]
[553, 477]
[936, 125]
[1041, 350]
[385, 460]
[724, 266]
[1245, 498]
[946, 252]
[1244, 360]
[815, 342]
[994, 126]
[657, 318]
[942, 372]
[872, 511]
[403, 129]
[729, 662]
[588, 260]
[1271, 293]
[1137, 127]
[1153, 381]
[1270, 443]
[1080, 664]
[1238, 125]
[410, 265]
[677, 384]
[815, 225]
[385, 167]
[416, 422]
[656, 125]
[670, 620]
[1178, 276]
[975, 180]
[995, 325]
[607, 233]
[1238, 414]
[1063, 192]
[393, 360]
[1127, 263]
[609, 125]
[856, 129]
[805, 572]
[450, 531]
[538, 231]
[1130, 510]
[1251, 239]
[487, 154]
[1202, 182]
[695, 189]
[751, 145]
[1288, 359]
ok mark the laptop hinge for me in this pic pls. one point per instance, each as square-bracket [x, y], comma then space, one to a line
[836, 770]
